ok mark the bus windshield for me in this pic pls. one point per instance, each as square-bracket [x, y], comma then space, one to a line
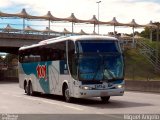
[100, 67]
[99, 61]
[97, 46]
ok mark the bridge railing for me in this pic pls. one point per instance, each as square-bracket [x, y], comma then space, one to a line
[25, 36]
[149, 53]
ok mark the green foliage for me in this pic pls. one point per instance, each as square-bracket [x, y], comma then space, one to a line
[1, 59]
[154, 44]
[138, 68]
[10, 57]
[146, 32]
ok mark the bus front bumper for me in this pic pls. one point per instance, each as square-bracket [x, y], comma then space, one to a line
[99, 93]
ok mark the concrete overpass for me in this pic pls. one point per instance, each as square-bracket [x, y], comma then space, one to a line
[10, 42]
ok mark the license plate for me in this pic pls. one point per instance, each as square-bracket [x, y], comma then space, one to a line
[101, 86]
[104, 93]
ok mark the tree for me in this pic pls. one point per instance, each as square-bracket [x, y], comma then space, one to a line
[146, 32]
[1, 59]
[10, 57]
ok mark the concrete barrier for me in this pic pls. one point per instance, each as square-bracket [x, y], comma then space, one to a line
[145, 86]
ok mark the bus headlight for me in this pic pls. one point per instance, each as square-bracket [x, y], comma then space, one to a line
[120, 86]
[85, 87]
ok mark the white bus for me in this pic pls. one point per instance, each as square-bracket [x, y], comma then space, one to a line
[75, 67]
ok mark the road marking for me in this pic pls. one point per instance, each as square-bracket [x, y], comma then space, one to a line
[49, 102]
[99, 113]
[62, 105]
[45, 101]
[73, 107]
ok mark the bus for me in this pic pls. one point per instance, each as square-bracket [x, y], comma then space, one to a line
[74, 67]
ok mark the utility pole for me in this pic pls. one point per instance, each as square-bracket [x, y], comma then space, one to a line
[98, 14]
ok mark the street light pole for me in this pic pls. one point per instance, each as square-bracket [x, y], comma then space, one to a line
[98, 14]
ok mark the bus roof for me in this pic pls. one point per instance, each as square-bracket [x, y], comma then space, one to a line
[74, 38]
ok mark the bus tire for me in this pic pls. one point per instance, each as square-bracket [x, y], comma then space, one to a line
[30, 89]
[105, 99]
[66, 94]
[25, 86]
[27, 89]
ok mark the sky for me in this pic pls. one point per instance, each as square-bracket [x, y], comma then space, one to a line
[143, 11]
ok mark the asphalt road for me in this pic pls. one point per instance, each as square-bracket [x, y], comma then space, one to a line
[13, 100]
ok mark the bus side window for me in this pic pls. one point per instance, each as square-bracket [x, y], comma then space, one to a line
[21, 56]
[62, 50]
[42, 52]
[31, 58]
[37, 56]
[57, 51]
[49, 54]
[26, 59]
[21, 59]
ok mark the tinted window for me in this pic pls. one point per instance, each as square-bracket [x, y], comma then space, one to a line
[30, 55]
[97, 46]
[51, 52]
[56, 51]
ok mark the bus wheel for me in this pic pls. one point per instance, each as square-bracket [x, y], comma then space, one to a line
[30, 89]
[27, 89]
[105, 99]
[66, 94]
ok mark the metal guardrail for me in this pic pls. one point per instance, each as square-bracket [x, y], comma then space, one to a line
[24, 36]
[149, 53]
